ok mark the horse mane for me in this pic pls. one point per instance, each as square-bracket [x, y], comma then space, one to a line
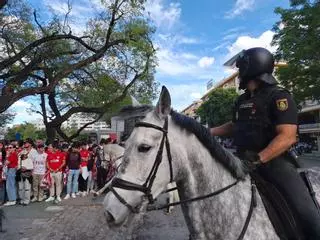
[227, 159]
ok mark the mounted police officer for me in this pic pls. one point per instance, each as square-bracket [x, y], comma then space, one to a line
[264, 127]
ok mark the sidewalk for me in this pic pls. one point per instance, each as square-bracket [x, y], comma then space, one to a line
[82, 219]
[71, 219]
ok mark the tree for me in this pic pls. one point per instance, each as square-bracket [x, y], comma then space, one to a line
[297, 37]
[36, 57]
[70, 71]
[6, 118]
[218, 108]
[27, 130]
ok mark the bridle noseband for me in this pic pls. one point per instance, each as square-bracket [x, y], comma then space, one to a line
[146, 188]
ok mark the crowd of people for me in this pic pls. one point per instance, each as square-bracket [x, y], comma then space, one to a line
[34, 171]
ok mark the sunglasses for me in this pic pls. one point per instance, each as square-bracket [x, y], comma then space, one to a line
[10, 147]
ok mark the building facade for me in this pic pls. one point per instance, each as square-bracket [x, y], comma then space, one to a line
[76, 121]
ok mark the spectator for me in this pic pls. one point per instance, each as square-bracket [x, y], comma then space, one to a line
[39, 169]
[83, 179]
[55, 164]
[3, 171]
[12, 164]
[101, 172]
[24, 176]
[73, 163]
[64, 152]
[91, 167]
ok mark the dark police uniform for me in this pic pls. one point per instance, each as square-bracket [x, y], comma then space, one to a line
[255, 119]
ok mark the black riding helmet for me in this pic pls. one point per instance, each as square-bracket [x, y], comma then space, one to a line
[255, 63]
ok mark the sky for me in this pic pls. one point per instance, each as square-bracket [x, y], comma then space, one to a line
[193, 38]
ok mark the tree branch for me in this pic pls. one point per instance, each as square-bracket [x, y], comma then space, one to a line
[103, 109]
[43, 109]
[37, 22]
[5, 63]
[79, 130]
[53, 103]
[67, 15]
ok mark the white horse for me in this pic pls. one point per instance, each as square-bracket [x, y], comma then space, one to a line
[199, 166]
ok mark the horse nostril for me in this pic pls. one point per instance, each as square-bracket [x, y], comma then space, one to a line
[109, 217]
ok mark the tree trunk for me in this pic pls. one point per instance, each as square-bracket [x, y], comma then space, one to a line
[51, 133]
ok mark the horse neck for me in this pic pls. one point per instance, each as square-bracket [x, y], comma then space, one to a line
[199, 169]
[200, 174]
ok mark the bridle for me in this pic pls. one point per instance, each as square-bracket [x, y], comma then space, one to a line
[147, 186]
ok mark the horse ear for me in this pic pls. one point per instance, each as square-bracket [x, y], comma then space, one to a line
[163, 107]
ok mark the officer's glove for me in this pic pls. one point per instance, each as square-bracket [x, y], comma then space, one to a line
[251, 161]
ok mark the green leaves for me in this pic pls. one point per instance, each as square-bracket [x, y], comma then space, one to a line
[6, 118]
[298, 44]
[217, 109]
[27, 130]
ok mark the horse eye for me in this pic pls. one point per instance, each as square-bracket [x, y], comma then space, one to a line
[144, 148]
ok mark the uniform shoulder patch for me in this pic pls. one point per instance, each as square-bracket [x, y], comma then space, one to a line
[282, 104]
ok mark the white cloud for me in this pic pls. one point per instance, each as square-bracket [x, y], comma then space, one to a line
[196, 95]
[172, 63]
[187, 40]
[240, 7]
[163, 16]
[177, 39]
[21, 104]
[189, 56]
[205, 62]
[220, 46]
[176, 63]
[245, 42]
[20, 108]
[184, 94]
[61, 7]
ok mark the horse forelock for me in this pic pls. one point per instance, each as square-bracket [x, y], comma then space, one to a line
[228, 160]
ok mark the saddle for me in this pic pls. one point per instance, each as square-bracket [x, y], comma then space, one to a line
[282, 217]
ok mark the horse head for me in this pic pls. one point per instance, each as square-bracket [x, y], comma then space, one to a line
[147, 167]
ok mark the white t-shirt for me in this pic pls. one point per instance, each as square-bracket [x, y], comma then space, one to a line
[39, 163]
[27, 163]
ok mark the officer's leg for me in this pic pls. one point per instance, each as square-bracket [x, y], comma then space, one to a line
[284, 175]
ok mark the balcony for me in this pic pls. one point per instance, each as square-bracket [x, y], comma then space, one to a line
[309, 128]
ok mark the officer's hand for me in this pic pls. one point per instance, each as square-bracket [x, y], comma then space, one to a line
[251, 161]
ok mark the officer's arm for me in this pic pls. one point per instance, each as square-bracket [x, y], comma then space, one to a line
[223, 130]
[286, 136]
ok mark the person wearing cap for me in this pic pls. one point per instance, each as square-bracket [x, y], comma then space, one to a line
[39, 169]
[264, 127]
[55, 163]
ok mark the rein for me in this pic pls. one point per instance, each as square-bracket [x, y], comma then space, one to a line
[164, 206]
[147, 186]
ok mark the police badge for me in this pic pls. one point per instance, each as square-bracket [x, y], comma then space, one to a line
[282, 104]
